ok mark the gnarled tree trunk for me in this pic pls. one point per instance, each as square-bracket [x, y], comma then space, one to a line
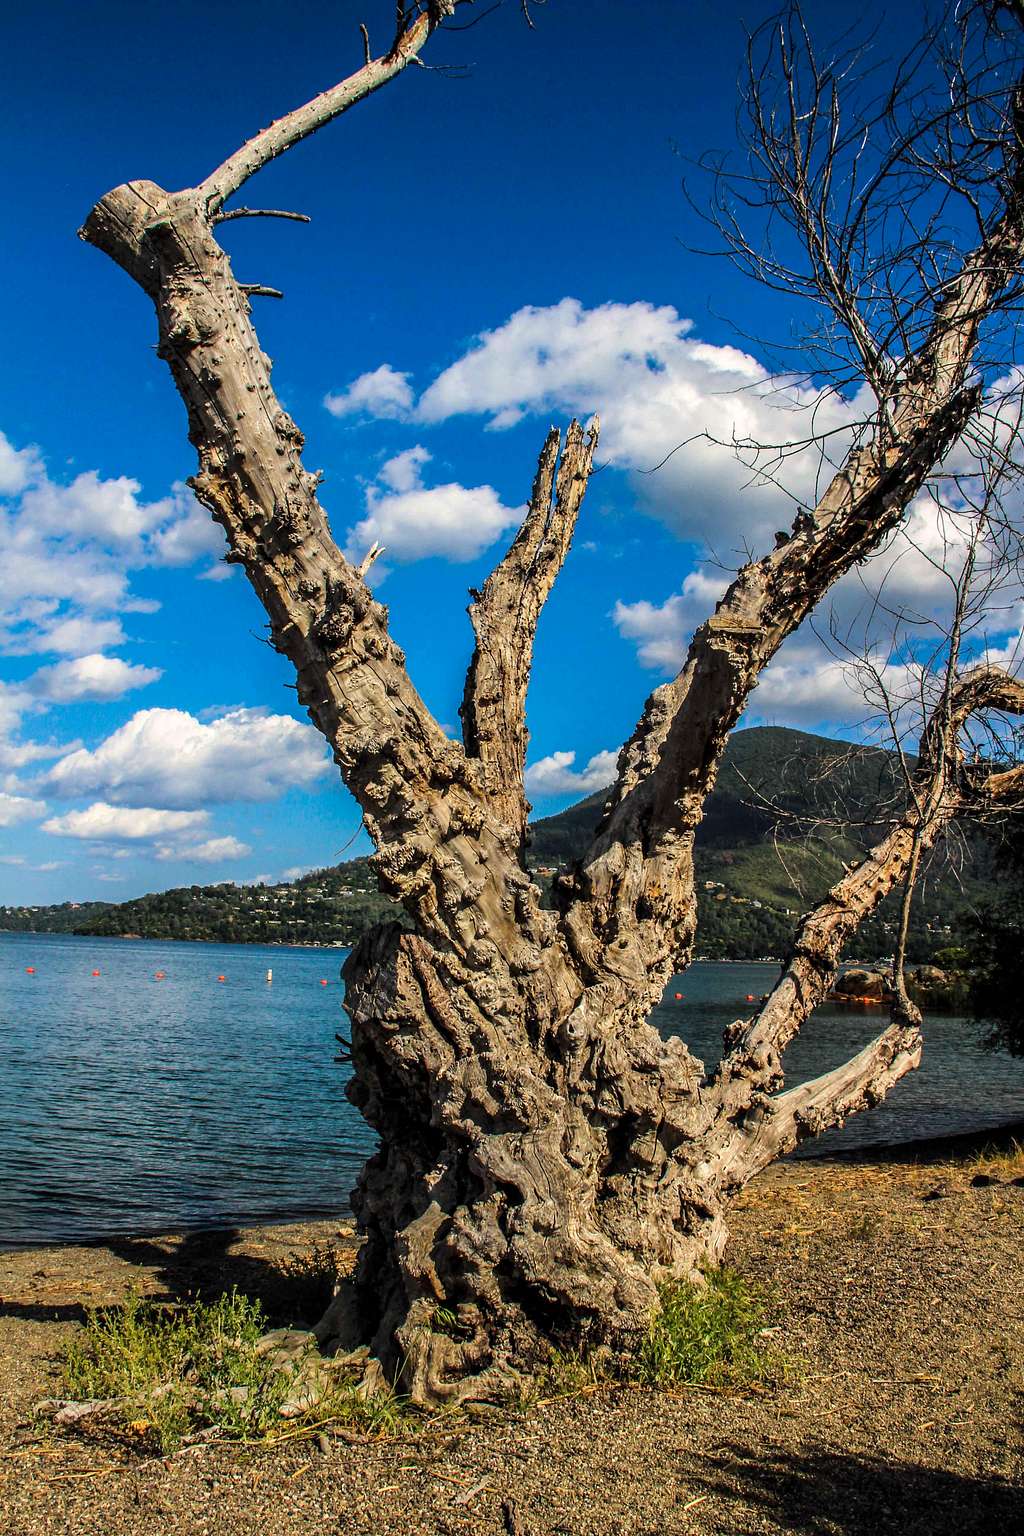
[545, 1157]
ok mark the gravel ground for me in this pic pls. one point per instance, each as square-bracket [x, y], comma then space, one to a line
[896, 1289]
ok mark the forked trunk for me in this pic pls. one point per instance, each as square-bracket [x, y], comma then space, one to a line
[545, 1158]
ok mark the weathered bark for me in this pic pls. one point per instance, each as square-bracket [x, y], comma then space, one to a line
[505, 616]
[546, 1159]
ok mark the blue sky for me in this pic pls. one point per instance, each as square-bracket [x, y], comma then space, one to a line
[487, 254]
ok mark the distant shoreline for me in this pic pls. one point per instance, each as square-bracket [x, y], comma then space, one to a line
[142, 938]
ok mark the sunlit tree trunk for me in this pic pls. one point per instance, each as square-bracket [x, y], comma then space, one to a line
[545, 1157]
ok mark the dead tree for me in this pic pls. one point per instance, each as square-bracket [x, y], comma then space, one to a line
[546, 1159]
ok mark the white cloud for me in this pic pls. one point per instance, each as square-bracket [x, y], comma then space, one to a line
[655, 386]
[167, 757]
[164, 835]
[215, 850]
[15, 808]
[72, 637]
[189, 535]
[403, 473]
[90, 677]
[18, 466]
[663, 631]
[120, 823]
[14, 754]
[384, 392]
[91, 508]
[806, 685]
[412, 520]
[555, 775]
[67, 552]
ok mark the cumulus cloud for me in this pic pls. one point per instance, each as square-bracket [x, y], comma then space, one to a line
[165, 835]
[16, 808]
[67, 552]
[215, 850]
[383, 393]
[188, 535]
[166, 757]
[18, 467]
[90, 677]
[93, 508]
[662, 630]
[555, 774]
[807, 685]
[105, 823]
[412, 520]
[656, 386]
[72, 637]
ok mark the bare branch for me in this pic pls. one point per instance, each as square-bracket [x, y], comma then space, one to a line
[752, 1065]
[629, 912]
[505, 614]
[413, 31]
[351, 676]
[260, 213]
[780, 1124]
[373, 553]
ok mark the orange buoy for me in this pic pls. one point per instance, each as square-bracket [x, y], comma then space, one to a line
[679, 997]
[750, 997]
[159, 975]
[222, 978]
[30, 970]
[323, 981]
[95, 973]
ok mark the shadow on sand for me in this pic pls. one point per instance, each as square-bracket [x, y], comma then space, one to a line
[828, 1493]
[202, 1264]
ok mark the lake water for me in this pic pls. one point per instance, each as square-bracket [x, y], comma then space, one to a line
[129, 1104]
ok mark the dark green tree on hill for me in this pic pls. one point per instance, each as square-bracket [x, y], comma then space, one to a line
[993, 952]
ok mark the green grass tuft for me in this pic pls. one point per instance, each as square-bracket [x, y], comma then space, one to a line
[711, 1335]
[173, 1374]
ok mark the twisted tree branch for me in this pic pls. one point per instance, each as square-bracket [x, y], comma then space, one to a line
[752, 1124]
[505, 614]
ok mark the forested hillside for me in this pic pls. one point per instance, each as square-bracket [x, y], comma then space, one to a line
[788, 812]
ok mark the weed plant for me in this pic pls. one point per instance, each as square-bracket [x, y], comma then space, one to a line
[1000, 1163]
[173, 1375]
[711, 1335]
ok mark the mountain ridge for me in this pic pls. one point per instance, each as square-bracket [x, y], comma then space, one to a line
[789, 812]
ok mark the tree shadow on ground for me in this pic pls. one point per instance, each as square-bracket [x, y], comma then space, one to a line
[44, 1312]
[202, 1265]
[825, 1493]
[292, 1289]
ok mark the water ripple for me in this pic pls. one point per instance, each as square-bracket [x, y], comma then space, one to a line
[131, 1105]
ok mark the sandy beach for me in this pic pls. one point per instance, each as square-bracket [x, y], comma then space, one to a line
[895, 1287]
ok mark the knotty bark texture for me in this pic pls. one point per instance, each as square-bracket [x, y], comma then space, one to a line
[546, 1159]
